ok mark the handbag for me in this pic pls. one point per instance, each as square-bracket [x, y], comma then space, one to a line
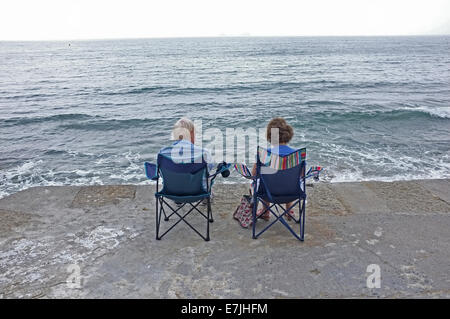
[243, 213]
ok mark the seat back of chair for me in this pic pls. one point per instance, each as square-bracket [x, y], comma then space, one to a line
[182, 179]
[281, 175]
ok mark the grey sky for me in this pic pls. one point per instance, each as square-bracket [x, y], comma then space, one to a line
[91, 19]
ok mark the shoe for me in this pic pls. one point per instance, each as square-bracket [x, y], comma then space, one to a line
[290, 215]
[265, 214]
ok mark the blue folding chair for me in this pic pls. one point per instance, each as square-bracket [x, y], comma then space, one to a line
[279, 180]
[187, 184]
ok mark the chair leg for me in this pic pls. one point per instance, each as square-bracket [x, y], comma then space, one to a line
[254, 209]
[166, 218]
[280, 218]
[160, 211]
[209, 219]
[302, 221]
[158, 219]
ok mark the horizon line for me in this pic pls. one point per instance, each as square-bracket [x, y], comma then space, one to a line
[227, 36]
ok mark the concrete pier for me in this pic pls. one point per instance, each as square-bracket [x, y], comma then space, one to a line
[105, 236]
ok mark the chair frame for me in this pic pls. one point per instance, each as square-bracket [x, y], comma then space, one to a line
[279, 215]
[153, 172]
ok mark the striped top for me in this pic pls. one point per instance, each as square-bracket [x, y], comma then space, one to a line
[270, 159]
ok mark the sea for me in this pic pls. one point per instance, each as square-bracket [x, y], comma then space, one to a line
[92, 112]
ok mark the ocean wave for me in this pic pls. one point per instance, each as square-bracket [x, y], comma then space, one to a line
[258, 87]
[28, 176]
[43, 119]
[322, 102]
[114, 124]
[441, 112]
[344, 163]
[341, 164]
[351, 177]
[29, 96]
[90, 122]
[141, 90]
[116, 169]
[264, 86]
[270, 53]
[245, 87]
[382, 115]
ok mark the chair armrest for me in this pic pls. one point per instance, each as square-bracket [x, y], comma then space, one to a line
[314, 172]
[218, 171]
[151, 171]
[244, 171]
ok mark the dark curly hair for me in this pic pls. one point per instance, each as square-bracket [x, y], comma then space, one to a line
[285, 132]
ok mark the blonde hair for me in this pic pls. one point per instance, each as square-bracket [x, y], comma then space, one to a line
[183, 129]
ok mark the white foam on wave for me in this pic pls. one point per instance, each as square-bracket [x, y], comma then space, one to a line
[127, 168]
[118, 169]
[3, 194]
[362, 163]
[441, 112]
[348, 178]
[433, 169]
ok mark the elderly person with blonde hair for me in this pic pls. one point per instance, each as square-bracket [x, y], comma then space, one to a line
[184, 150]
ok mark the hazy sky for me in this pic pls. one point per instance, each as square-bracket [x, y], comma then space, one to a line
[91, 19]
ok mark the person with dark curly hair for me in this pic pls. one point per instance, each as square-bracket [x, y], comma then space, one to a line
[280, 147]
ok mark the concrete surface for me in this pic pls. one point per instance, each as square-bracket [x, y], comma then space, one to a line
[109, 233]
